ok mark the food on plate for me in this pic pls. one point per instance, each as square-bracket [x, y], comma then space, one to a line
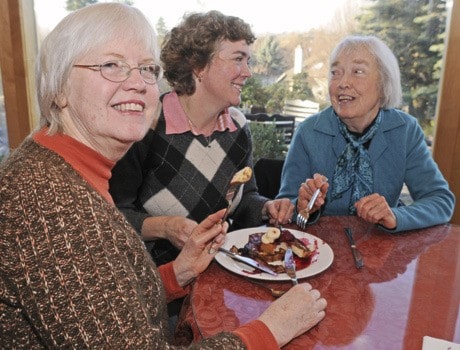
[271, 235]
[242, 176]
[269, 247]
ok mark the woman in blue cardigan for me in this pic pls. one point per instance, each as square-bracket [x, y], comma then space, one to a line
[365, 147]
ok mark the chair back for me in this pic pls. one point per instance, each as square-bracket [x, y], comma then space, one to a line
[267, 173]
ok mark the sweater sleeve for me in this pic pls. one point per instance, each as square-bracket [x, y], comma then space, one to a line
[172, 288]
[433, 201]
[256, 335]
[126, 180]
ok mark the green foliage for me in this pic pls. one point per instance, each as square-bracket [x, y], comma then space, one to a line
[300, 88]
[253, 93]
[72, 5]
[414, 30]
[272, 96]
[268, 58]
[267, 141]
[161, 28]
[270, 84]
[277, 95]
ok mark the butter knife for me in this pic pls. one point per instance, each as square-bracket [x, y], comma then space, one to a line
[357, 256]
[248, 261]
[289, 265]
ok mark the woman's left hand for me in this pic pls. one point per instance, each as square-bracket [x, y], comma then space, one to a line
[279, 211]
[375, 209]
[200, 248]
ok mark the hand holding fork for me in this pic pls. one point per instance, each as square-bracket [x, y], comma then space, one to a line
[303, 215]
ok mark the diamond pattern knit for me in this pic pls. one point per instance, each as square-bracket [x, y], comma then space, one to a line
[178, 174]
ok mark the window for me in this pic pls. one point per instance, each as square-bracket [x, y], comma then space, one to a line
[4, 148]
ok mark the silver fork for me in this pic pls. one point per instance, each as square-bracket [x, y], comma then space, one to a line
[302, 216]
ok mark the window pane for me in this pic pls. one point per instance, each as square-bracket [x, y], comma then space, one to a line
[4, 148]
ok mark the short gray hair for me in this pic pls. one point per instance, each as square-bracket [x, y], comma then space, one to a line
[390, 76]
[74, 37]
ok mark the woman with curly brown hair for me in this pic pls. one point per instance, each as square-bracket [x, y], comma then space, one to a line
[178, 174]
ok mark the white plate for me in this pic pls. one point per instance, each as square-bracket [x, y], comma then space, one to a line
[239, 238]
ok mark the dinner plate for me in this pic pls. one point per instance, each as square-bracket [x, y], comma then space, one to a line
[321, 261]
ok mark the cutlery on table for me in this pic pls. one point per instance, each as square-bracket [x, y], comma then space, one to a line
[248, 261]
[239, 178]
[273, 291]
[302, 216]
[357, 256]
[289, 265]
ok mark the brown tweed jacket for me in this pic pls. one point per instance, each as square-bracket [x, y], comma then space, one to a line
[73, 273]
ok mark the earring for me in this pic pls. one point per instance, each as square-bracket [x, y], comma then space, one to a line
[61, 101]
[200, 78]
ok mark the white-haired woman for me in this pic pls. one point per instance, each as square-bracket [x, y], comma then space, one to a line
[73, 272]
[366, 147]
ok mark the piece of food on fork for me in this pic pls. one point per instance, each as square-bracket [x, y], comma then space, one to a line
[242, 176]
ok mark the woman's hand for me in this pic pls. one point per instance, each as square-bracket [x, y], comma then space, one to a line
[176, 229]
[196, 255]
[279, 211]
[307, 189]
[294, 313]
[375, 209]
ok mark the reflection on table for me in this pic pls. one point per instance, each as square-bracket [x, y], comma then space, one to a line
[409, 287]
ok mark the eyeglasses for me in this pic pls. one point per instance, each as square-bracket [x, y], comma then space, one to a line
[119, 71]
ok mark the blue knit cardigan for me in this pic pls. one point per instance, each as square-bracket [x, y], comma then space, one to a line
[399, 155]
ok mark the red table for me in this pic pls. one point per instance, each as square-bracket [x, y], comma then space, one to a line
[409, 287]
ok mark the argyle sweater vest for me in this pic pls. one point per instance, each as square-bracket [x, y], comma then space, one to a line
[179, 175]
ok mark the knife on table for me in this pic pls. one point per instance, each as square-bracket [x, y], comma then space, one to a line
[357, 256]
[248, 261]
[289, 265]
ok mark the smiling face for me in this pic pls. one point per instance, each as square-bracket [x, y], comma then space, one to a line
[224, 77]
[105, 115]
[354, 88]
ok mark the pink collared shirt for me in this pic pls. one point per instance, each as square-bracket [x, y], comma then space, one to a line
[177, 121]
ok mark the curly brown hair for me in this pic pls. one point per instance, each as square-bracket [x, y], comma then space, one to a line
[192, 44]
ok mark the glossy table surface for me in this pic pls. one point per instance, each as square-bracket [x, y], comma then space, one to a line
[409, 287]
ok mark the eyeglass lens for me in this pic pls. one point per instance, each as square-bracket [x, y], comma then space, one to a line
[120, 71]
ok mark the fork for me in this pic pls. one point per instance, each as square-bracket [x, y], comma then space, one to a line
[302, 216]
[274, 292]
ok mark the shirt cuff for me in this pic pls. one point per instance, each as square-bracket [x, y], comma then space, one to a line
[256, 335]
[172, 288]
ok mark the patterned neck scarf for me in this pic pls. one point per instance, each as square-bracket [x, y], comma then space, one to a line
[353, 169]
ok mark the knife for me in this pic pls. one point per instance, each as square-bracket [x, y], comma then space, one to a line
[357, 256]
[248, 261]
[289, 265]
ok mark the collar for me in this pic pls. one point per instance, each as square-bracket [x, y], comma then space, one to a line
[326, 121]
[177, 121]
[91, 165]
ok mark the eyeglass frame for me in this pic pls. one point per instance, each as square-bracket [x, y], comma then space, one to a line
[124, 65]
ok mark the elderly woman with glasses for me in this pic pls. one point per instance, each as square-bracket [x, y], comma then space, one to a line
[366, 147]
[73, 272]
